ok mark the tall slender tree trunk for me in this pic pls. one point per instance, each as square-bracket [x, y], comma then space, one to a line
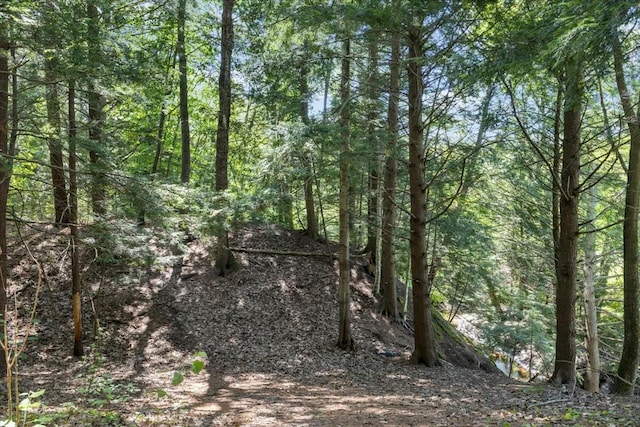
[97, 169]
[345, 340]
[424, 336]
[565, 361]
[5, 177]
[13, 138]
[628, 367]
[555, 192]
[95, 114]
[375, 162]
[309, 202]
[184, 94]
[373, 184]
[76, 284]
[224, 258]
[60, 203]
[388, 269]
[159, 139]
[310, 209]
[592, 374]
[162, 118]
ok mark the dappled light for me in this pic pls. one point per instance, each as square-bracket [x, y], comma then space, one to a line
[319, 213]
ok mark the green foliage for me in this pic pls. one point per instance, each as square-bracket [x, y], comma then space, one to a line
[178, 377]
[197, 365]
[27, 410]
[34, 413]
[494, 239]
[99, 388]
[571, 415]
[71, 414]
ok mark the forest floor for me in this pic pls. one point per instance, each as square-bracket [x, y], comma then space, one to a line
[268, 331]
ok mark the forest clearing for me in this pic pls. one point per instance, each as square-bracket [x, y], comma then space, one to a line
[248, 212]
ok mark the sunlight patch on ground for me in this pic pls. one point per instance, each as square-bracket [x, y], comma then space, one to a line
[163, 277]
[283, 286]
[398, 377]
[261, 398]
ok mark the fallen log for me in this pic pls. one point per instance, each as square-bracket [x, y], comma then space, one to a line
[277, 252]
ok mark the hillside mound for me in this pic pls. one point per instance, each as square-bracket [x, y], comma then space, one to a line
[268, 331]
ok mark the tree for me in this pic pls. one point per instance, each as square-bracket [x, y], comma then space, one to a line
[571, 44]
[95, 112]
[345, 340]
[425, 344]
[592, 373]
[387, 270]
[224, 258]
[5, 177]
[76, 283]
[51, 33]
[564, 370]
[309, 204]
[628, 367]
[54, 142]
[374, 200]
[184, 93]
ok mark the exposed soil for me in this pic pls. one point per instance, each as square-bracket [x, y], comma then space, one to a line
[268, 330]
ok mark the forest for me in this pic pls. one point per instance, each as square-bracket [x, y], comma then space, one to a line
[222, 194]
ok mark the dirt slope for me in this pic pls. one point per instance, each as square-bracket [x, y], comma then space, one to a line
[269, 331]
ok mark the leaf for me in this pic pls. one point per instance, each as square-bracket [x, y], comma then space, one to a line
[197, 366]
[24, 404]
[177, 378]
[36, 394]
[161, 393]
[201, 354]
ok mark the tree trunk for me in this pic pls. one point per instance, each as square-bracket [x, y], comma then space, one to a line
[345, 340]
[565, 361]
[628, 368]
[373, 93]
[95, 114]
[372, 209]
[309, 204]
[159, 138]
[155, 167]
[156, 159]
[224, 259]
[425, 344]
[592, 375]
[388, 266]
[76, 284]
[555, 192]
[184, 95]
[5, 177]
[15, 117]
[312, 222]
[58, 180]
